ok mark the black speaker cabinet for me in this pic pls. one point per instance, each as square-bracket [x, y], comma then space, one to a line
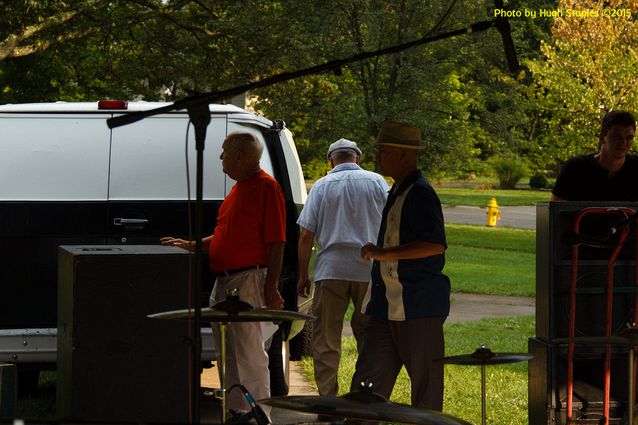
[114, 364]
[554, 221]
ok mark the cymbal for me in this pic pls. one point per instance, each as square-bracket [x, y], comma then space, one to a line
[214, 315]
[627, 337]
[485, 356]
[378, 409]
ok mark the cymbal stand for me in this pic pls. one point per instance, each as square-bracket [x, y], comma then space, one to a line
[222, 368]
[483, 356]
[483, 398]
[231, 305]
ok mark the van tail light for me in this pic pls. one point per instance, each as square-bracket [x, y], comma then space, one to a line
[112, 104]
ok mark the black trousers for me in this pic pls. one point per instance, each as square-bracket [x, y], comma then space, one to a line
[416, 344]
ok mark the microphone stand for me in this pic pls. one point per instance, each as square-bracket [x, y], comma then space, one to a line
[200, 117]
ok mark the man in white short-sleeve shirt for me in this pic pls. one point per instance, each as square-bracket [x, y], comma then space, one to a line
[342, 212]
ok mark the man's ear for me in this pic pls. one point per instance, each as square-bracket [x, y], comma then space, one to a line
[601, 138]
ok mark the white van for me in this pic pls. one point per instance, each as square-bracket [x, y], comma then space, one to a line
[67, 179]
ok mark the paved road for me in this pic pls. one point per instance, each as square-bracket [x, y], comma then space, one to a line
[524, 216]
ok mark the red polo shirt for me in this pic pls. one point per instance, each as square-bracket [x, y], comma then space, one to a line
[252, 216]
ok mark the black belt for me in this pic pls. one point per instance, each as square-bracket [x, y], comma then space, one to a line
[242, 269]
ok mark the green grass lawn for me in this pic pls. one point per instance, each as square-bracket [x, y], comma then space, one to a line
[480, 197]
[506, 385]
[495, 261]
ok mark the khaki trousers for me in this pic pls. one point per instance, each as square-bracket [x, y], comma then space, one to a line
[246, 359]
[415, 344]
[330, 302]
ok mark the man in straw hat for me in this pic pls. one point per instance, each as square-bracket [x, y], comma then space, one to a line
[409, 296]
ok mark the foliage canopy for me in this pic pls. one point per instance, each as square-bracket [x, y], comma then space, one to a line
[457, 90]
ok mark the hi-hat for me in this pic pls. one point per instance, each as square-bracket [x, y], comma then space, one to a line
[363, 406]
[232, 309]
[485, 356]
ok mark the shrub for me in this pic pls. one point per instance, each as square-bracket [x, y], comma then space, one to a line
[315, 169]
[538, 181]
[509, 170]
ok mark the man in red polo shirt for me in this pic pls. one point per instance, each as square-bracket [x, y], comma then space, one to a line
[246, 253]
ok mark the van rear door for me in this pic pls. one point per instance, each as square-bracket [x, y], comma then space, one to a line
[148, 188]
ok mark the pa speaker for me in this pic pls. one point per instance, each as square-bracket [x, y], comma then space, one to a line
[113, 363]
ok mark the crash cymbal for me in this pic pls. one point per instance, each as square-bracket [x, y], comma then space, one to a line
[255, 315]
[378, 409]
[485, 356]
[627, 337]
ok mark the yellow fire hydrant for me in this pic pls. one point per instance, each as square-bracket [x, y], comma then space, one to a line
[493, 213]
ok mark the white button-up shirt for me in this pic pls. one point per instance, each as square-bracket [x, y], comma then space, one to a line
[344, 211]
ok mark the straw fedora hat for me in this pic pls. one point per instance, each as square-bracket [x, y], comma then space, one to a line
[399, 135]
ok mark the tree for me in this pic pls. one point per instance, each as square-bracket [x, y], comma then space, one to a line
[589, 68]
[423, 86]
[454, 89]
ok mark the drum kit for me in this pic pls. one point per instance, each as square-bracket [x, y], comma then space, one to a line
[363, 405]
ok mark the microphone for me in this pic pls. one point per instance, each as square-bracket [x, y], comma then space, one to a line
[503, 26]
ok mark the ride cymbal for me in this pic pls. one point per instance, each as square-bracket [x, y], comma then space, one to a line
[364, 408]
[485, 356]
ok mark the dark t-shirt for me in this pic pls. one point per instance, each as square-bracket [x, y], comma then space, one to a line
[582, 179]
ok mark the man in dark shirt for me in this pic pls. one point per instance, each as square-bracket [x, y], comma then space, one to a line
[409, 296]
[609, 175]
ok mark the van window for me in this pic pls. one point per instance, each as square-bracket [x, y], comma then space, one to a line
[148, 161]
[53, 157]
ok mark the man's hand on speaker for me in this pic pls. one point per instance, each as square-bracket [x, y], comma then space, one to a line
[182, 243]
